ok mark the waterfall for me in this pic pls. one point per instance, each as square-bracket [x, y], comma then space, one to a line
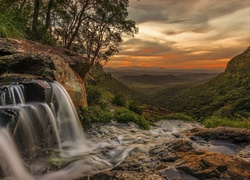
[31, 125]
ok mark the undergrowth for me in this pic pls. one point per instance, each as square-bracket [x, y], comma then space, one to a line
[215, 121]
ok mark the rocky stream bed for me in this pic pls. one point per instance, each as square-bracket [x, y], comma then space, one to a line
[175, 150]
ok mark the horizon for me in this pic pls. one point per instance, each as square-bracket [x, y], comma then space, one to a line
[192, 34]
[160, 70]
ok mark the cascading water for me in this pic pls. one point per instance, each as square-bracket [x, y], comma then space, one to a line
[31, 127]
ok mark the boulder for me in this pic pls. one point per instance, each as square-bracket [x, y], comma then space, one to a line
[21, 60]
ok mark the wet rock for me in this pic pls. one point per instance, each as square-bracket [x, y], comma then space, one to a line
[174, 174]
[245, 152]
[21, 60]
[8, 116]
[167, 157]
[238, 136]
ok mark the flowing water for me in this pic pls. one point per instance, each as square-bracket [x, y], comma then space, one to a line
[45, 132]
[41, 137]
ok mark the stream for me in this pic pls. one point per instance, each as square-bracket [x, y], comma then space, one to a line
[42, 138]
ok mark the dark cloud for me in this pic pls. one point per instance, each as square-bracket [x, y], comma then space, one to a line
[173, 11]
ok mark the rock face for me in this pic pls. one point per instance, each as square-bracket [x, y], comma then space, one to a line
[30, 60]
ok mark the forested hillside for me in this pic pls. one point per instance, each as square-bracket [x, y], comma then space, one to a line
[227, 95]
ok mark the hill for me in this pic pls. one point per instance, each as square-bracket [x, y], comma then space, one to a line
[110, 86]
[165, 79]
[227, 95]
[152, 84]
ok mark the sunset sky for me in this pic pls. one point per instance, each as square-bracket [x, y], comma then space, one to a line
[185, 33]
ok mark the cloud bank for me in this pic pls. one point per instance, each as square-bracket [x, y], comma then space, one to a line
[185, 34]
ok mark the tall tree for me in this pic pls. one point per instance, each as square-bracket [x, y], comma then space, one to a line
[48, 15]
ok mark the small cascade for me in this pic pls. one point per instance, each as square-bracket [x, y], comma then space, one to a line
[40, 117]
[12, 95]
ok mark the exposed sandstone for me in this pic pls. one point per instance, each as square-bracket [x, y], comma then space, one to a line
[30, 60]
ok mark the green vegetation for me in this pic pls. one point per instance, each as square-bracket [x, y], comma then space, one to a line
[226, 96]
[93, 28]
[178, 116]
[109, 102]
[119, 99]
[11, 26]
[215, 121]
[124, 115]
[135, 107]
[94, 95]
[95, 114]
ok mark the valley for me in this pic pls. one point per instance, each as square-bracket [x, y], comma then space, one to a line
[151, 83]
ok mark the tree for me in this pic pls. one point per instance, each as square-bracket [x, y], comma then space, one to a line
[35, 16]
[48, 15]
[90, 27]
[102, 30]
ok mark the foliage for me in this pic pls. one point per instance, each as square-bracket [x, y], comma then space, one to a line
[93, 28]
[135, 107]
[124, 115]
[227, 95]
[94, 114]
[94, 95]
[119, 99]
[215, 121]
[10, 25]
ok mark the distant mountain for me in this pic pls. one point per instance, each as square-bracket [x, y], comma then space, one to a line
[226, 95]
[165, 79]
[150, 79]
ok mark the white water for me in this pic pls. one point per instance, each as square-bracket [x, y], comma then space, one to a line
[11, 162]
[56, 122]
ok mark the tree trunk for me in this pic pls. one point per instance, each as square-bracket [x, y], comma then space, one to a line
[48, 15]
[35, 16]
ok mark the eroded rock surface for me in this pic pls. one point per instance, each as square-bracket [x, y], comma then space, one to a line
[174, 150]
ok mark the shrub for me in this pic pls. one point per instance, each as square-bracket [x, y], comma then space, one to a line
[94, 114]
[120, 99]
[133, 106]
[94, 95]
[123, 115]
